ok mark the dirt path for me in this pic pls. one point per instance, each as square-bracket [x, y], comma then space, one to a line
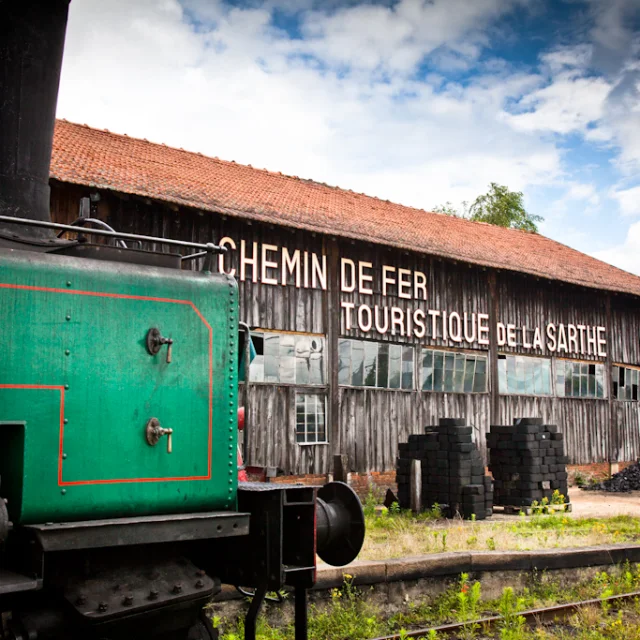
[603, 504]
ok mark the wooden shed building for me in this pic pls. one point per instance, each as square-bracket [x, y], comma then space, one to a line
[373, 319]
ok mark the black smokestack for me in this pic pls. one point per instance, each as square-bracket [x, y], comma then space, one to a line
[32, 36]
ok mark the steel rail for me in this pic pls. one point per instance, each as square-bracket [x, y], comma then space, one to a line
[544, 613]
[208, 248]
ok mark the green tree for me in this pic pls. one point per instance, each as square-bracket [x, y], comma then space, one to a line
[503, 208]
[447, 208]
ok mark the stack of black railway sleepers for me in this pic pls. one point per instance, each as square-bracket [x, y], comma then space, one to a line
[527, 461]
[452, 471]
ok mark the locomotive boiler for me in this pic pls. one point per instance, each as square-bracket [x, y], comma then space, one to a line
[120, 508]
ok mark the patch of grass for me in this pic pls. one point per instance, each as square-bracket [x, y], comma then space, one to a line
[397, 533]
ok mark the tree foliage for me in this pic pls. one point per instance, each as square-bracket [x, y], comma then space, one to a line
[498, 206]
[503, 208]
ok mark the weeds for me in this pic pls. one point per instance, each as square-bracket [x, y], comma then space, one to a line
[349, 615]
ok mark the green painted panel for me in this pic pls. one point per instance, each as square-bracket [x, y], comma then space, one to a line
[76, 369]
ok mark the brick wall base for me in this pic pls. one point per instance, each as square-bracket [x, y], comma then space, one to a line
[374, 485]
[597, 471]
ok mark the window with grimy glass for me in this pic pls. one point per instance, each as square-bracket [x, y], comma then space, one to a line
[453, 372]
[625, 382]
[580, 379]
[524, 375]
[288, 358]
[311, 422]
[375, 364]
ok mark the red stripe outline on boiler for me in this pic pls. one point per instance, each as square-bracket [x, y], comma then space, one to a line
[120, 296]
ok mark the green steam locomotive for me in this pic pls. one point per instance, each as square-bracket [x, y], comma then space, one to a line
[120, 508]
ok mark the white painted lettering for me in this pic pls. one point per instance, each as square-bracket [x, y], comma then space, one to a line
[397, 320]
[347, 282]
[268, 264]
[381, 328]
[591, 341]
[434, 326]
[244, 261]
[319, 272]
[470, 336]
[501, 334]
[537, 339]
[404, 286]
[290, 265]
[419, 285]
[581, 329]
[602, 341]
[551, 335]
[511, 335]
[572, 338]
[420, 328]
[562, 339]
[386, 279]
[455, 327]
[483, 328]
[226, 242]
[348, 307]
[364, 277]
[365, 320]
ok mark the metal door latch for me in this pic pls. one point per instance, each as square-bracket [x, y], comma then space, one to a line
[155, 342]
[153, 432]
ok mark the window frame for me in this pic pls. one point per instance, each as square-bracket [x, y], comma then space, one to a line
[294, 334]
[318, 395]
[400, 349]
[627, 367]
[443, 352]
[523, 366]
[581, 363]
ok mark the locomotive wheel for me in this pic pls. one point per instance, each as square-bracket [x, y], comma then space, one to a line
[203, 629]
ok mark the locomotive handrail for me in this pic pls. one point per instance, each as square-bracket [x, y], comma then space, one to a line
[208, 248]
[80, 222]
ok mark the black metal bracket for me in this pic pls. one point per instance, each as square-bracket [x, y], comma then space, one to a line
[250, 622]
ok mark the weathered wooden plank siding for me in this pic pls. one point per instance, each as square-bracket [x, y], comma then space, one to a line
[273, 433]
[625, 330]
[627, 421]
[374, 421]
[584, 422]
[370, 422]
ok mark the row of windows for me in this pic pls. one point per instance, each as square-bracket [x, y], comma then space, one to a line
[375, 364]
[299, 359]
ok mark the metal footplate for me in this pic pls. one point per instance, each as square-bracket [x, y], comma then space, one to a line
[121, 532]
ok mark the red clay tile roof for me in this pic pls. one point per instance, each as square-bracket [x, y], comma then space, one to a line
[92, 157]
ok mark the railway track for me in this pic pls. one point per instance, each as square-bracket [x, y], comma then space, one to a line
[545, 614]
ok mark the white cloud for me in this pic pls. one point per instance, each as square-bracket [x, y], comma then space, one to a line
[570, 103]
[395, 38]
[233, 87]
[628, 200]
[627, 255]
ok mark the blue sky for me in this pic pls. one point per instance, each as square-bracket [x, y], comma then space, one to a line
[420, 102]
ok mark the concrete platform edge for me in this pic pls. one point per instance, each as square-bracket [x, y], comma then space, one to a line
[455, 563]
